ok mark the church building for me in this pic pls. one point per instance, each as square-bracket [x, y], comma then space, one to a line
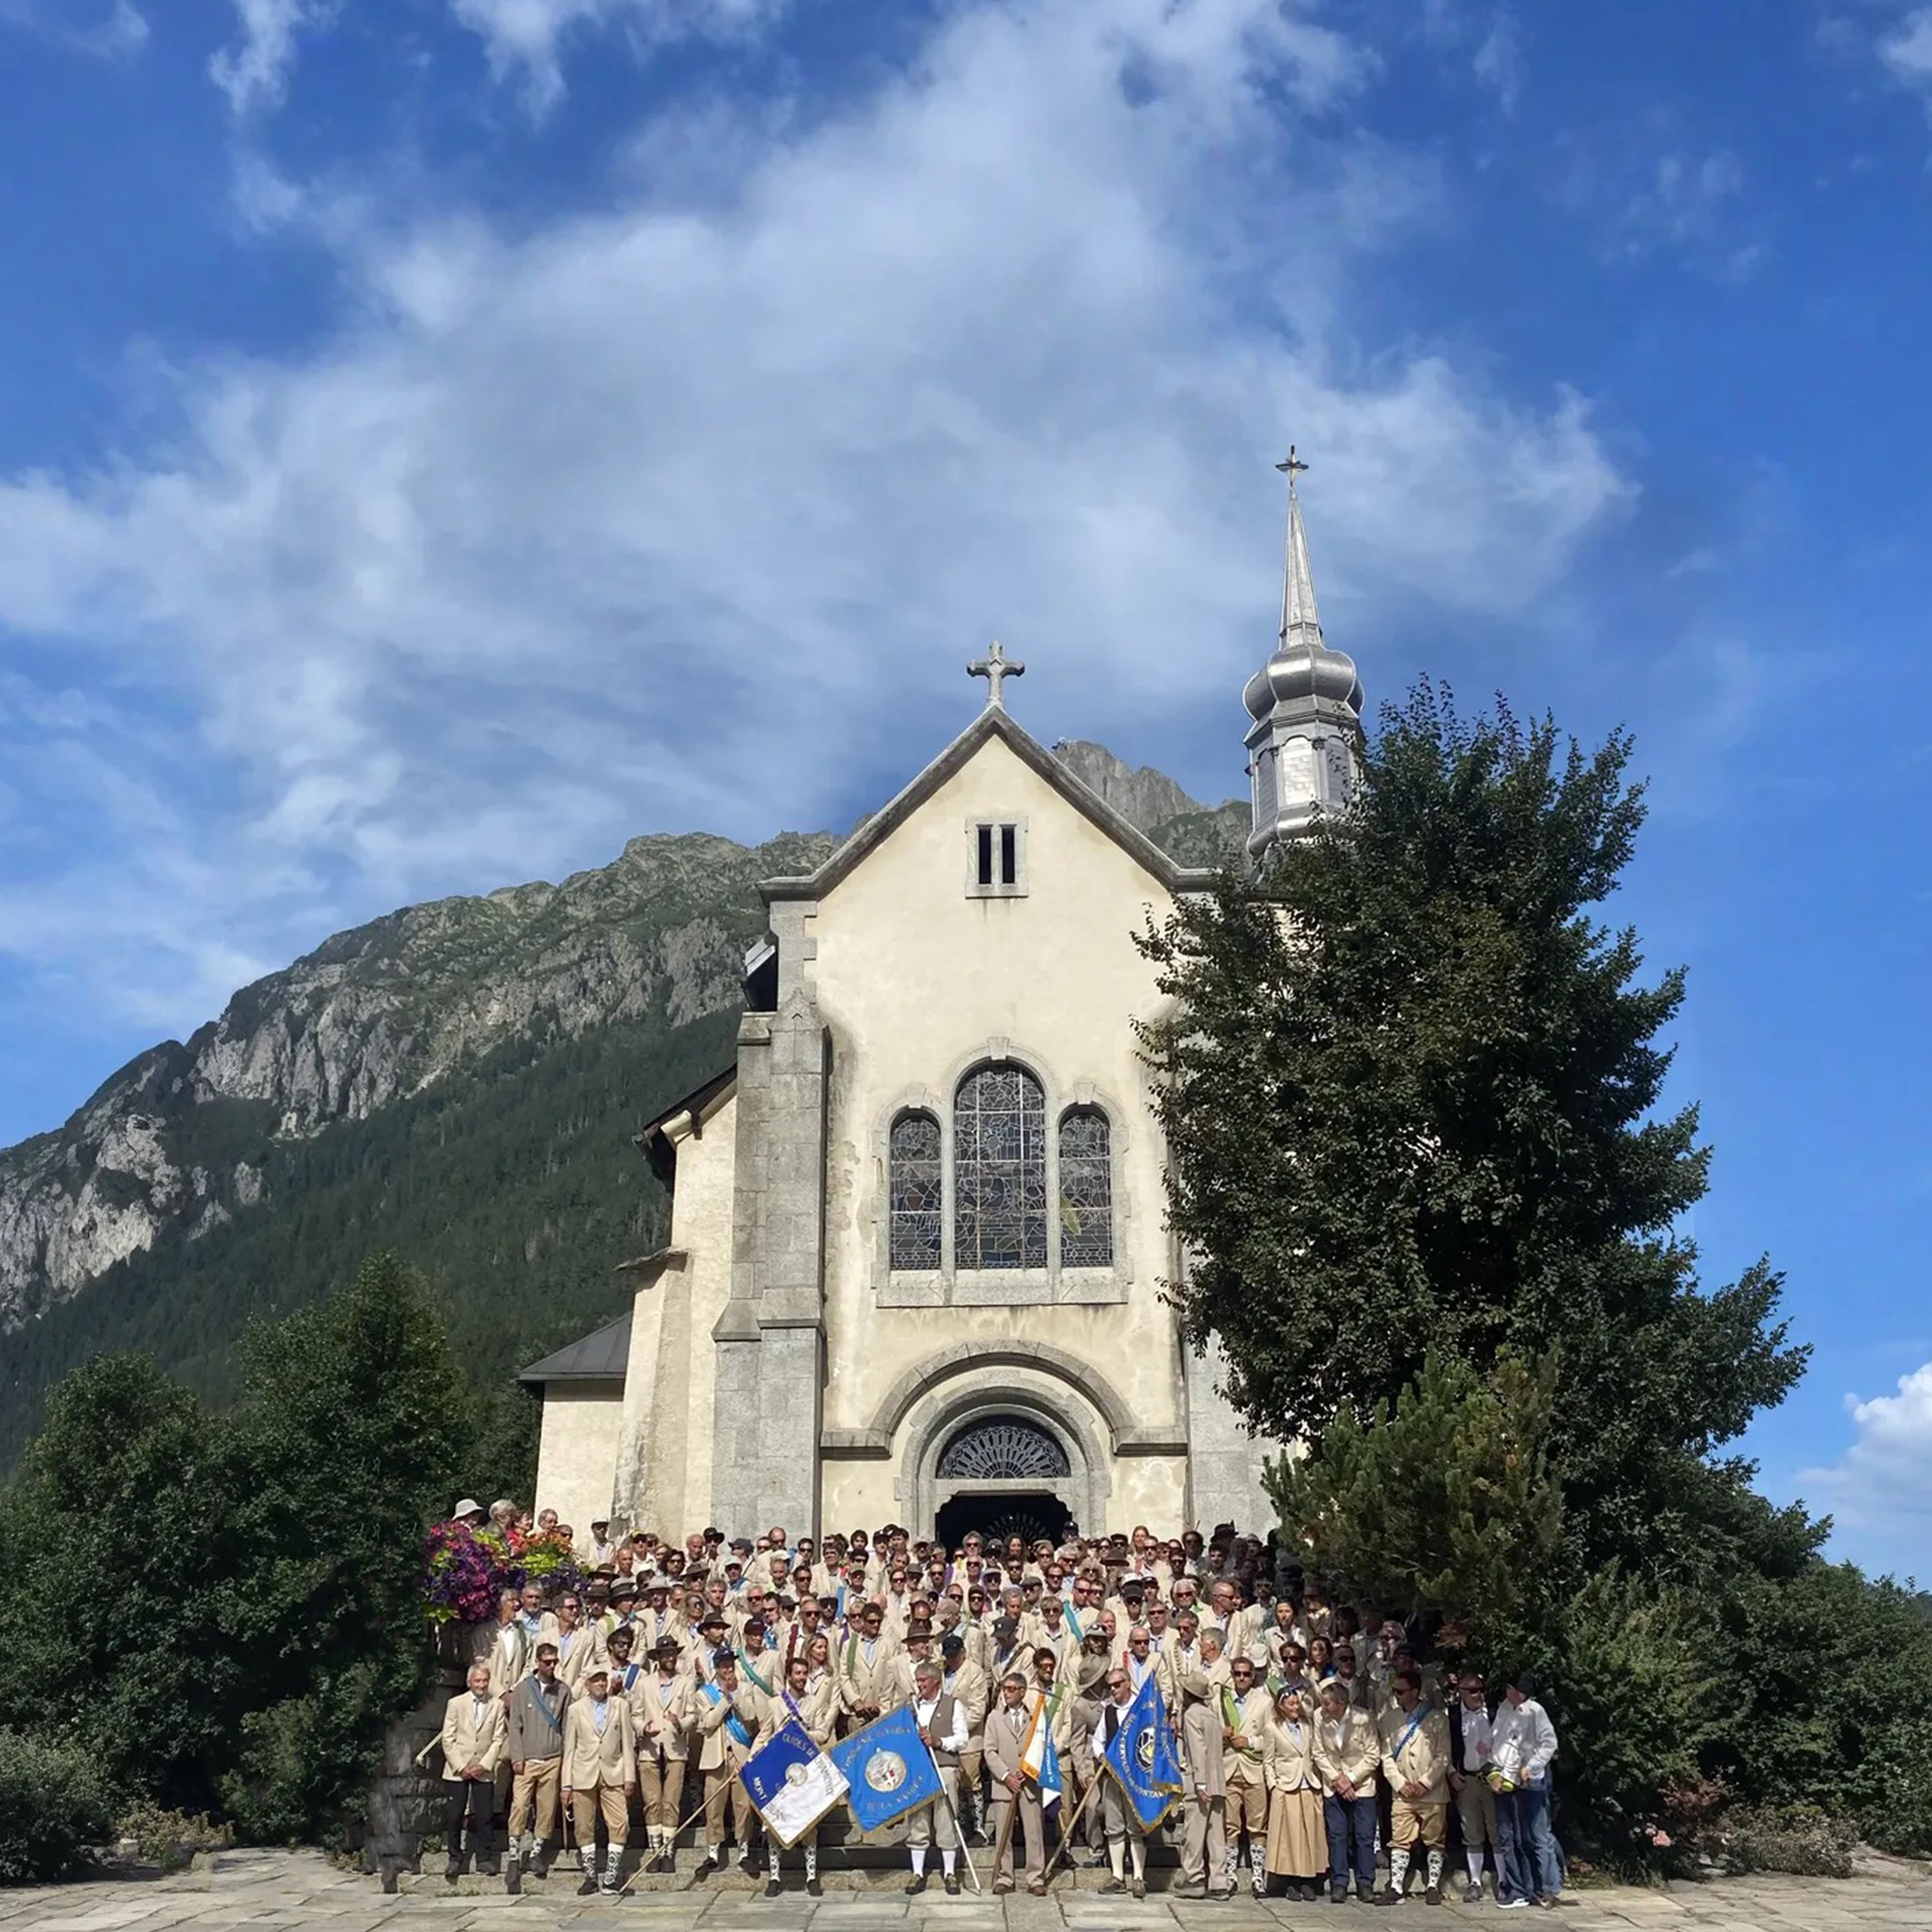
[917, 1245]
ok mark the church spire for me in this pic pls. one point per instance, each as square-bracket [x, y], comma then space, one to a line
[1301, 619]
[1305, 703]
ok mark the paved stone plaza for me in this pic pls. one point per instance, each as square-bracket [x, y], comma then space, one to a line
[275, 1890]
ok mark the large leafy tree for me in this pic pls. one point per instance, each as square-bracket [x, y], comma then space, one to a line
[226, 1607]
[1412, 1103]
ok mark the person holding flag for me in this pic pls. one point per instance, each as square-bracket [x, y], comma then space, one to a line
[729, 1714]
[942, 1729]
[814, 1709]
[1126, 1832]
[1016, 1800]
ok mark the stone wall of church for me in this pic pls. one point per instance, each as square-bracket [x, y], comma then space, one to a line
[581, 1423]
[664, 1472]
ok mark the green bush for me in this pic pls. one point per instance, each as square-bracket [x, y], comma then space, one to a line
[1806, 1843]
[54, 1806]
[1898, 1817]
[1627, 1687]
[167, 1838]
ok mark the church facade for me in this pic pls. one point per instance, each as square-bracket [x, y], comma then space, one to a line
[918, 1250]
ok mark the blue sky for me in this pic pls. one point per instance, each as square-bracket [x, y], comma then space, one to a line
[442, 438]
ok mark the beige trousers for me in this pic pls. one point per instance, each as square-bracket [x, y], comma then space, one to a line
[1030, 1822]
[536, 1787]
[1204, 1840]
[662, 1783]
[932, 1824]
[609, 1799]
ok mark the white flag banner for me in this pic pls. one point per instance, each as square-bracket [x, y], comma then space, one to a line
[792, 1782]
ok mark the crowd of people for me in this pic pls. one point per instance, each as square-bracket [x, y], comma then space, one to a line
[1317, 1740]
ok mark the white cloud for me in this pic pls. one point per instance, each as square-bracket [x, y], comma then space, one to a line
[1879, 1491]
[666, 515]
[1499, 64]
[115, 32]
[1905, 53]
[527, 36]
[254, 72]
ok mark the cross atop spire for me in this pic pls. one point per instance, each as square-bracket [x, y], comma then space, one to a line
[1300, 620]
[995, 668]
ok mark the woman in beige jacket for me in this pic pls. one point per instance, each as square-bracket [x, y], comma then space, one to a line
[1297, 1846]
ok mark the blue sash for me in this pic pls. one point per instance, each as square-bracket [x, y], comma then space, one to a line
[733, 1723]
[1422, 1711]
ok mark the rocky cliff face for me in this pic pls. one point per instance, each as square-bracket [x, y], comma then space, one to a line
[172, 1145]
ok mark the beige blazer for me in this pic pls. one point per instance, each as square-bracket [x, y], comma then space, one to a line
[1254, 1718]
[972, 1692]
[590, 1760]
[662, 1715]
[586, 1647]
[1200, 1746]
[1288, 1757]
[1417, 1755]
[509, 1652]
[862, 1681]
[1005, 1738]
[1352, 1751]
[716, 1746]
[467, 1741]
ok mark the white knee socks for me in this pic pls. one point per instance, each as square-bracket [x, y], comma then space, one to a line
[1434, 1868]
[918, 1861]
[1398, 1867]
[1117, 1857]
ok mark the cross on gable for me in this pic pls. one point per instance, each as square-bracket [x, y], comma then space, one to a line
[995, 668]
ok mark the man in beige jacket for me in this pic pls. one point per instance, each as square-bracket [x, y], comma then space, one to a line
[1204, 1823]
[664, 1708]
[1247, 1709]
[600, 1775]
[473, 1741]
[1348, 1753]
[1415, 1761]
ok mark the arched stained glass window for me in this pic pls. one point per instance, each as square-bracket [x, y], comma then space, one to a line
[917, 1191]
[999, 1156]
[1086, 1189]
[1002, 1448]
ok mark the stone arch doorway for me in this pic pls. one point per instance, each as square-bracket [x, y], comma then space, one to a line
[1003, 1474]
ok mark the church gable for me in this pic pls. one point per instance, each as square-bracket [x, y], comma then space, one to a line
[994, 863]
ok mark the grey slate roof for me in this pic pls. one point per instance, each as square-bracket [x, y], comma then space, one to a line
[601, 1357]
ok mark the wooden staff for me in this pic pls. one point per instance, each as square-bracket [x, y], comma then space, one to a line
[1007, 1829]
[1067, 1829]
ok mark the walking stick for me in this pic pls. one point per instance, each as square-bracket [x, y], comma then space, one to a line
[1006, 1831]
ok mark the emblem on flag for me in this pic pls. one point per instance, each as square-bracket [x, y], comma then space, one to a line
[1142, 1758]
[888, 1769]
[792, 1782]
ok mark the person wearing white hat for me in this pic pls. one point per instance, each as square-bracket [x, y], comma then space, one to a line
[471, 1511]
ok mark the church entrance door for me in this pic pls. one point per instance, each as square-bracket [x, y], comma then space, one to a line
[998, 1467]
[1000, 1515]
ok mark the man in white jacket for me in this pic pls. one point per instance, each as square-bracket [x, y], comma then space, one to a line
[1524, 1746]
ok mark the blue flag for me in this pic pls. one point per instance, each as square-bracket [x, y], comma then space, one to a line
[888, 1767]
[1143, 1759]
[792, 1782]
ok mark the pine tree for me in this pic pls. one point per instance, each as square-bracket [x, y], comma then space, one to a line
[1411, 1103]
